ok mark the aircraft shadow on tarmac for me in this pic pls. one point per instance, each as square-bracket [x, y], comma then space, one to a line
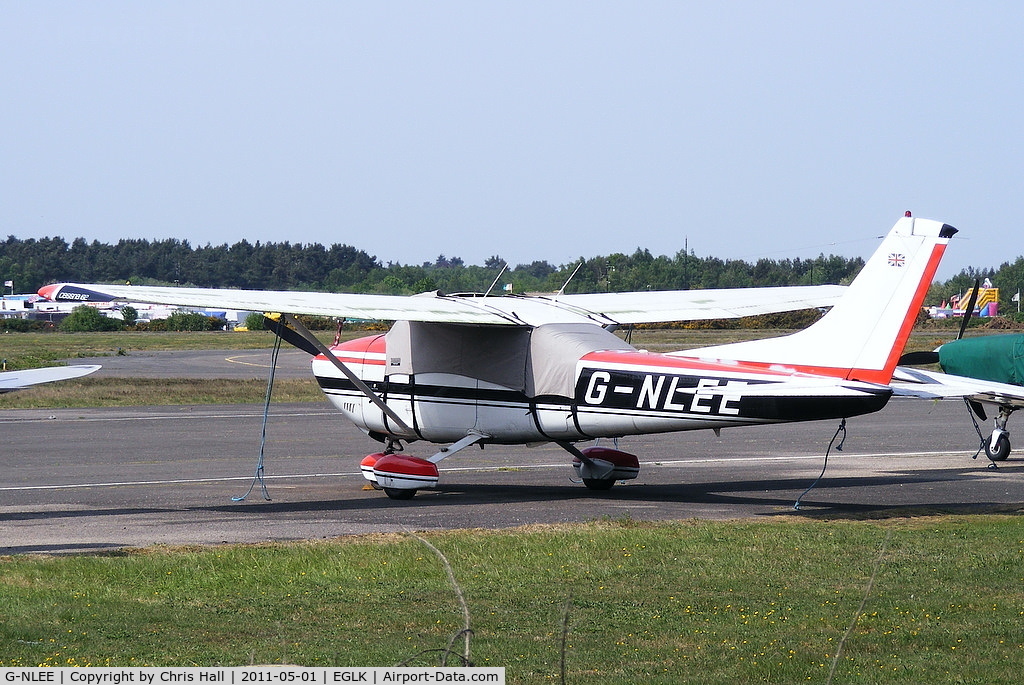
[456, 494]
[735, 494]
[749, 498]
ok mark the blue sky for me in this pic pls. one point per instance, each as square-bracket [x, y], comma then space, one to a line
[529, 130]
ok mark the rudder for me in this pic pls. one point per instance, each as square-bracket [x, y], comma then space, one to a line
[863, 335]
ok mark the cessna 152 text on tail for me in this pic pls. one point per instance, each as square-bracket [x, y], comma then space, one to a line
[465, 370]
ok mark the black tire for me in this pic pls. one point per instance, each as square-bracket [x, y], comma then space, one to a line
[1002, 450]
[599, 483]
[399, 493]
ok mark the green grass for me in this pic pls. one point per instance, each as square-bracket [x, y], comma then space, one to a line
[136, 392]
[31, 350]
[932, 599]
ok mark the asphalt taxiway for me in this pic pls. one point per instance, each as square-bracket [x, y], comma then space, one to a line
[291, 363]
[100, 479]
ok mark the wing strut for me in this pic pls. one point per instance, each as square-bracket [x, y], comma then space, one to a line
[258, 477]
[471, 439]
[349, 374]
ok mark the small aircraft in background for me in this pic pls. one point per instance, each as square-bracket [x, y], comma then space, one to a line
[987, 370]
[459, 370]
[16, 380]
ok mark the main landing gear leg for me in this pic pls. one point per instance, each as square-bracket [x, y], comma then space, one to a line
[401, 475]
[997, 447]
[600, 467]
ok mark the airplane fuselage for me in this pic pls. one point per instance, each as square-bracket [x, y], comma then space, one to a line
[616, 393]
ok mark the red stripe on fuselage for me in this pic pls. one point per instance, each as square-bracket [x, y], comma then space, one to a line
[663, 361]
[356, 351]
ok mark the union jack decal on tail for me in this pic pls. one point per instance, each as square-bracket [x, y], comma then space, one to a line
[896, 259]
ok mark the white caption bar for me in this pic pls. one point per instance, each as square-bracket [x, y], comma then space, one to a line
[251, 674]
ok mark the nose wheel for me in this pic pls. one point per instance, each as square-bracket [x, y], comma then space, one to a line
[997, 445]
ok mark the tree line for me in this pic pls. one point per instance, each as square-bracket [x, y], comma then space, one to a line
[31, 263]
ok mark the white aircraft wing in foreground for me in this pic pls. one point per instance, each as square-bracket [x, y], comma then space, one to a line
[459, 371]
[16, 380]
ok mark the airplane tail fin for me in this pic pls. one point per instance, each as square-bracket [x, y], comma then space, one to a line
[863, 335]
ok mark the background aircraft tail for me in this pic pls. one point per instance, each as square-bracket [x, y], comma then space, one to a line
[863, 335]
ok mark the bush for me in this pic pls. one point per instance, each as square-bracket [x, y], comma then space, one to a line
[318, 323]
[129, 314]
[86, 319]
[21, 325]
[254, 321]
[193, 321]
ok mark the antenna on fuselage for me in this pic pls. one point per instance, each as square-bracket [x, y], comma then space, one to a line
[495, 282]
[561, 291]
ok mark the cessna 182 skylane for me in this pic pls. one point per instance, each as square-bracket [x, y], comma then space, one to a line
[459, 370]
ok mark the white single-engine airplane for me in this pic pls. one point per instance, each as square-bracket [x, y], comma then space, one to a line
[465, 370]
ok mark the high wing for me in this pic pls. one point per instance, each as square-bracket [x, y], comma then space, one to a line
[16, 380]
[694, 305]
[910, 382]
[601, 309]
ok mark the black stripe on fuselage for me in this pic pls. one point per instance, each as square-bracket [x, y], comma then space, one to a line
[644, 395]
[430, 392]
[666, 395]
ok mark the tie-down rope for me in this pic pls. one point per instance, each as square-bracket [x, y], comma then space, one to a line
[839, 447]
[258, 476]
